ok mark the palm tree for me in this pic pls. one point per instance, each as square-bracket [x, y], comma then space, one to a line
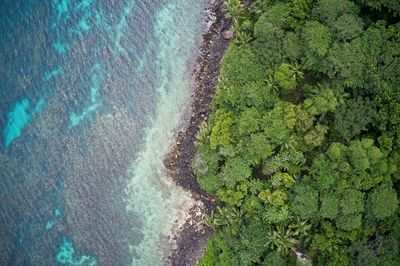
[259, 6]
[282, 239]
[271, 83]
[223, 82]
[242, 37]
[223, 217]
[203, 134]
[235, 10]
[300, 227]
[297, 71]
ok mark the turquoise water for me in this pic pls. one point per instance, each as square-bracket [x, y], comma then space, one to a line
[90, 94]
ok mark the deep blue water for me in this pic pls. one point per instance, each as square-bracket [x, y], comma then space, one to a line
[90, 91]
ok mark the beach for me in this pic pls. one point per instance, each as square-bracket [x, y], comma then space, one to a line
[191, 237]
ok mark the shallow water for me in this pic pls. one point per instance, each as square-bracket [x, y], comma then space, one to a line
[90, 93]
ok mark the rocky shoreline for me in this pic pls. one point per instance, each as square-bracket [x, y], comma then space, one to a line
[193, 235]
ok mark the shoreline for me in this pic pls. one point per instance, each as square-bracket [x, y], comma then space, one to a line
[192, 237]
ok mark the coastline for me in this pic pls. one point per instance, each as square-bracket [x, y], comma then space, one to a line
[192, 237]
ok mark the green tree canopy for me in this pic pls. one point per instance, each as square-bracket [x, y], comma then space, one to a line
[383, 201]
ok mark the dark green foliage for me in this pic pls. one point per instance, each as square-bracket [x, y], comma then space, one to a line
[241, 65]
[291, 46]
[249, 122]
[268, 43]
[328, 13]
[305, 201]
[275, 15]
[302, 147]
[235, 170]
[255, 148]
[352, 201]
[273, 258]
[284, 161]
[383, 202]
[392, 6]
[329, 206]
[317, 39]
[347, 27]
[353, 117]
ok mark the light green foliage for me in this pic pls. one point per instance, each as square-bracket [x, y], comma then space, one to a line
[285, 78]
[358, 156]
[275, 198]
[242, 37]
[321, 101]
[383, 201]
[229, 216]
[304, 120]
[203, 134]
[336, 151]
[232, 196]
[278, 198]
[315, 136]
[282, 179]
[276, 215]
[210, 258]
[298, 11]
[221, 131]
[279, 122]
[252, 205]
[235, 10]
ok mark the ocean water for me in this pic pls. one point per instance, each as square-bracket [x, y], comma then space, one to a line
[90, 94]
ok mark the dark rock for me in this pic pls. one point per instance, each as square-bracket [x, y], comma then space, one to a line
[191, 241]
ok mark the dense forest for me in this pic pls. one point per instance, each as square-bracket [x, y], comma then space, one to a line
[302, 147]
